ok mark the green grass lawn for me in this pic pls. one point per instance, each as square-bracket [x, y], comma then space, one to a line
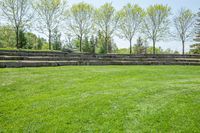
[100, 99]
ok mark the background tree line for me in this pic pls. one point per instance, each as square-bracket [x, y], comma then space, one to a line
[89, 29]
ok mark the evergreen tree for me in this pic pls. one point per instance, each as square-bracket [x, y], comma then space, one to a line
[139, 48]
[39, 44]
[100, 43]
[86, 46]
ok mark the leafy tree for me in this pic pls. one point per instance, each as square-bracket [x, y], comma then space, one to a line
[50, 13]
[7, 37]
[81, 21]
[87, 46]
[39, 44]
[130, 20]
[18, 14]
[184, 23]
[106, 20]
[27, 40]
[31, 41]
[195, 49]
[156, 23]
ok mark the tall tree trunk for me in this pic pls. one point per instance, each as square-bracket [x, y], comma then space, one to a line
[130, 46]
[183, 50]
[106, 44]
[17, 37]
[49, 39]
[154, 46]
[80, 39]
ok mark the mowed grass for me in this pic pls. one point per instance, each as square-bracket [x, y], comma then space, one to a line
[100, 99]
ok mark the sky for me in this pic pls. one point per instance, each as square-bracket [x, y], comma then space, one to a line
[175, 5]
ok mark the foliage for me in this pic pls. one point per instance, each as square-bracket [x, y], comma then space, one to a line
[122, 51]
[140, 47]
[195, 49]
[101, 44]
[27, 40]
[7, 37]
[144, 50]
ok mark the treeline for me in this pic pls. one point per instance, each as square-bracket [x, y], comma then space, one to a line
[90, 29]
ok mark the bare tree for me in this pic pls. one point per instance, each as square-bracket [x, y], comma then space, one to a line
[156, 23]
[17, 13]
[49, 15]
[81, 21]
[130, 21]
[184, 23]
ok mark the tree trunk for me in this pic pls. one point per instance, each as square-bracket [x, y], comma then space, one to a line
[17, 37]
[183, 44]
[154, 46]
[106, 44]
[80, 39]
[49, 39]
[130, 46]
[106, 40]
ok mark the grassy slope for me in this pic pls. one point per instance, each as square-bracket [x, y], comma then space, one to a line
[110, 98]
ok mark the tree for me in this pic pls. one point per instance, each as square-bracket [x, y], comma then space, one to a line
[81, 21]
[18, 13]
[101, 47]
[50, 13]
[184, 24]
[39, 44]
[139, 47]
[197, 39]
[106, 20]
[7, 37]
[31, 40]
[130, 20]
[195, 49]
[156, 23]
[87, 45]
